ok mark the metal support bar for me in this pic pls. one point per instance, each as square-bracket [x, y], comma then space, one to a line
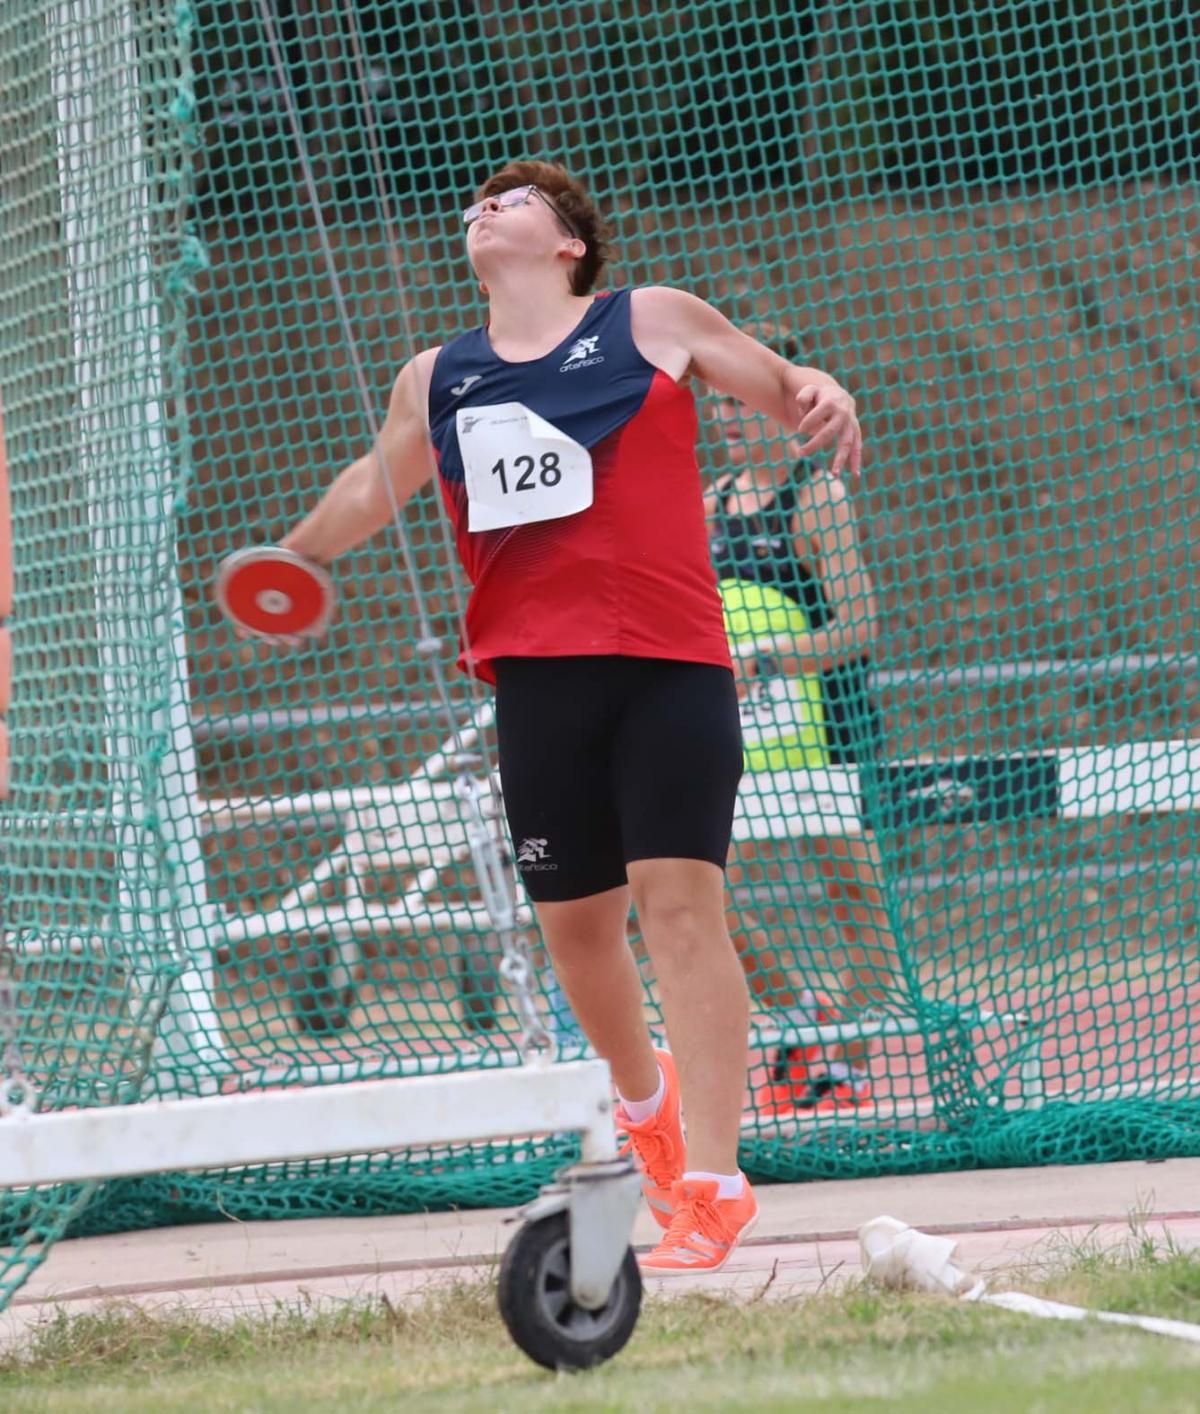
[235, 726]
[268, 722]
[827, 1033]
[161, 1136]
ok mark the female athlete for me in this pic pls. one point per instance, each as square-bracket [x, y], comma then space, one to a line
[779, 523]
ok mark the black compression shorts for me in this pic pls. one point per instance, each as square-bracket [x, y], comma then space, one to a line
[606, 760]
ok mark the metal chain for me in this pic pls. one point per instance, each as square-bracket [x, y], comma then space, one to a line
[17, 1091]
[495, 883]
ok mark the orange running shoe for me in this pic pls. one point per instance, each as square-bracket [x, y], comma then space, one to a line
[658, 1144]
[704, 1230]
[793, 1082]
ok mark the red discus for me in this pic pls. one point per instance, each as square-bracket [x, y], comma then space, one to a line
[275, 592]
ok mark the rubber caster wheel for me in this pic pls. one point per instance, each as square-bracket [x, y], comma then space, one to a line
[324, 991]
[534, 1293]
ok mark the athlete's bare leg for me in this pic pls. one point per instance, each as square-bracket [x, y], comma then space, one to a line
[589, 946]
[681, 908]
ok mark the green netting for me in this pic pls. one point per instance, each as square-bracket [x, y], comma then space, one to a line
[983, 219]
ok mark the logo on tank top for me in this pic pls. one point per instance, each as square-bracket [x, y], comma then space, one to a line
[460, 388]
[583, 353]
[532, 854]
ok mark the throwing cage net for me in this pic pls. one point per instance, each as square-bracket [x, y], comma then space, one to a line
[226, 868]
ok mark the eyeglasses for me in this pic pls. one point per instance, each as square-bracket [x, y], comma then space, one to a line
[517, 196]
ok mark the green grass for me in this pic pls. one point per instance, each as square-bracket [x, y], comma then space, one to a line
[854, 1348]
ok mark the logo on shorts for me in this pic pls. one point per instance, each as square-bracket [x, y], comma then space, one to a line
[582, 354]
[531, 854]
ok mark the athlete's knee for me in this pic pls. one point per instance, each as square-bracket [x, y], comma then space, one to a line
[681, 917]
[677, 923]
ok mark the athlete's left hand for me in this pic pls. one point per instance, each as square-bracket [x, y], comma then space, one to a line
[829, 418]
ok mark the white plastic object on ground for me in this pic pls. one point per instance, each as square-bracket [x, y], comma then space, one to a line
[904, 1259]
[898, 1256]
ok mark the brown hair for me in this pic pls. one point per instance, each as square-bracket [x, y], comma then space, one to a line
[572, 200]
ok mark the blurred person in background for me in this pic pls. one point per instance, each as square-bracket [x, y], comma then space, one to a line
[786, 548]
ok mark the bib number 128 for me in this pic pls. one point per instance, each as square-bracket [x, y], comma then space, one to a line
[519, 468]
[530, 472]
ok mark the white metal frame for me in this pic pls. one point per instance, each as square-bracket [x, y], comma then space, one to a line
[417, 825]
[360, 1117]
[112, 279]
[1132, 778]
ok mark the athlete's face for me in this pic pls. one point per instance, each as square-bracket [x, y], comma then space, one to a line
[516, 225]
[745, 433]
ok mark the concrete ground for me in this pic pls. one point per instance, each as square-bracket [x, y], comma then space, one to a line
[806, 1237]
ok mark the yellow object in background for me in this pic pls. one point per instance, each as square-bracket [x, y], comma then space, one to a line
[783, 719]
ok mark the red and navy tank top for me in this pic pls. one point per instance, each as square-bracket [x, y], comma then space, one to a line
[628, 576]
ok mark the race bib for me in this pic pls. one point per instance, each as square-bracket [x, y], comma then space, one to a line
[519, 467]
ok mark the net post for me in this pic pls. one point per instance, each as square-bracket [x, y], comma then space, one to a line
[6, 606]
[114, 282]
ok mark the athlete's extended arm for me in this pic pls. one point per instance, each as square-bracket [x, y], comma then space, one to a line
[358, 503]
[680, 333]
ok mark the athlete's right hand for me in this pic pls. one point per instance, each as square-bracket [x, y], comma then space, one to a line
[273, 594]
[829, 418]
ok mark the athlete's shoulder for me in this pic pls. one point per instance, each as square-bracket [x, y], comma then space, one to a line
[457, 342]
[446, 360]
[419, 369]
[676, 313]
[668, 300]
[669, 325]
[426, 358]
